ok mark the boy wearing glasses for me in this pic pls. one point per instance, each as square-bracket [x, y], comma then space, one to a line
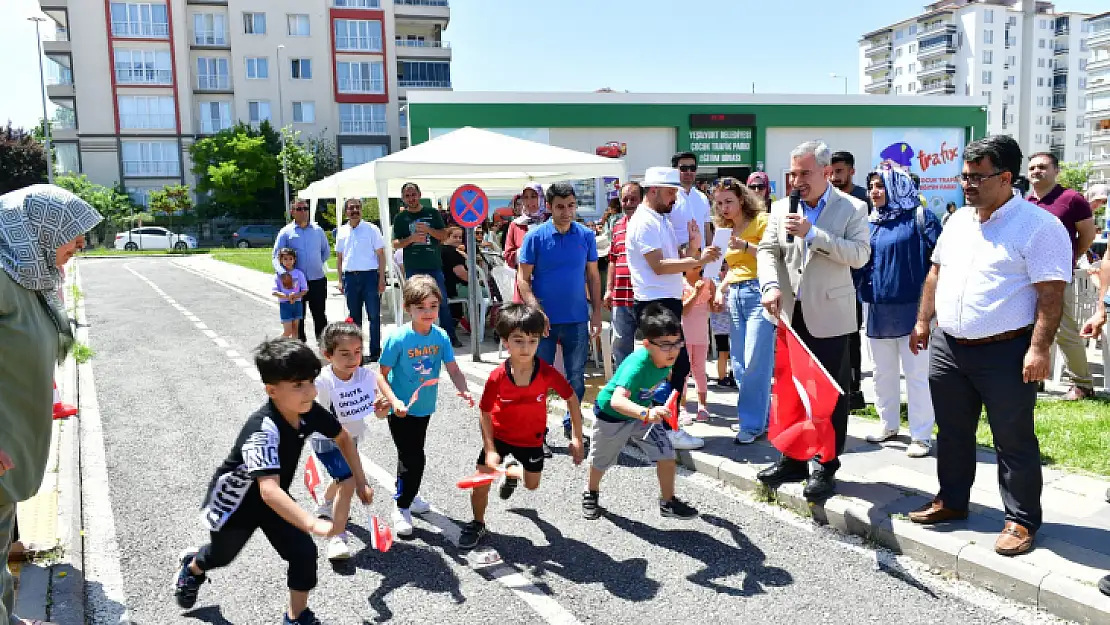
[624, 413]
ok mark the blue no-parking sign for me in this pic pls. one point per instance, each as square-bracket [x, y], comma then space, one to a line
[469, 206]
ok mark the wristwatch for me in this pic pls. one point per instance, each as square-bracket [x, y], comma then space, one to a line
[643, 414]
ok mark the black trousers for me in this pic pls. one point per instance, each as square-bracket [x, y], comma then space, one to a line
[316, 302]
[964, 378]
[409, 434]
[293, 545]
[832, 353]
[855, 351]
[681, 368]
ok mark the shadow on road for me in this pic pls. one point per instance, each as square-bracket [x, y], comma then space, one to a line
[208, 614]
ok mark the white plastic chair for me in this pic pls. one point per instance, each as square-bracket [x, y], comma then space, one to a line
[505, 279]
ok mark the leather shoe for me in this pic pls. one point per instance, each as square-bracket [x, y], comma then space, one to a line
[784, 470]
[935, 512]
[821, 485]
[1014, 540]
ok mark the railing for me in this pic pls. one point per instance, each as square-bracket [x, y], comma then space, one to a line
[140, 29]
[213, 82]
[144, 76]
[358, 4]
[416, 43]
[423, 3]
[1060, 50]
[64, 119]
[424, 83]
[58, 34]
[210, 38]
[151, 168]
[351, 85]
[1057, 127]
[358, 127]
[147, 121]
[211, 126]
[362, 44]
[60, 75]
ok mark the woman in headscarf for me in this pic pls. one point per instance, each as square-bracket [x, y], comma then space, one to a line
[761, 184]
[533, 213]
[903, 235]
[41, 227]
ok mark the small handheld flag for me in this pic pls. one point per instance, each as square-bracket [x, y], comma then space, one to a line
[381, 535]
[416, 393]
[312, 477]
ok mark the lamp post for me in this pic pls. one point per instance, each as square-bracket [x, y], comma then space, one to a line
[835, 75]
[281, 121]
[42, 92]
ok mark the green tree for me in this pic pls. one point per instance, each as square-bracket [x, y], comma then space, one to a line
[1074, 176]
[171, 200]
[112, 203]
[325, 157]
[239, 168]
[297, 160]
[22, 159]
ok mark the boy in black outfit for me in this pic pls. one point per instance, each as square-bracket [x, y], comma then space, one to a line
[250, 490]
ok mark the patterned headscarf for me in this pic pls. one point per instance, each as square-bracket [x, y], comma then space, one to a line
[541, 208]
[34, 222]
[901, 193]
[761, 178]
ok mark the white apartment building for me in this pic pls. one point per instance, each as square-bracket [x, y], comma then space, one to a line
[976, 47]
[138, 82]
[1098, 96]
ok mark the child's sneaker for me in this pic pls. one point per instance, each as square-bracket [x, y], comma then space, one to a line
[685, 418]
[338, 549]
[703, 415]
[590, 509]
[324, 510]
[472, 533]
[420, 506]
[677, 509]
[305, 618]
[188, 585]
[402, 521]
[508, 484]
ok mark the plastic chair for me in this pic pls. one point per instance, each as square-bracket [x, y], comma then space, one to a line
[505, 279]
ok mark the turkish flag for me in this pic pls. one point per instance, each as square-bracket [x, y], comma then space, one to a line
[312, 477]
[803, 398]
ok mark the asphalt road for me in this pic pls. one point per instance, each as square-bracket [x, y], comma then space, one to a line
[172, 401]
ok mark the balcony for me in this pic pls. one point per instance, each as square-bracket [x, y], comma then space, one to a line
[1094, 65]
[362, 127]
[881, 85]
[424, 84]
[147, 121]
[358, 44]
[59, 82]
[1100, 38]
[877, 48]
[141, 30]
[1102, 112]
[1063, 27]
[935, 70]
[143, 76]
[210, 38]
[423, 9]
[1060, 50]
[937, 88]
[1060, 69]
[879, 66]
[213, 82]
[56, 42]
[1099, 137]
[423, 49]
[1101, 160]
[941, 29]
[212, 125]
[358, 4]
[1098, 84]
[1059, 104]
[156, 169]
[937, 49]
[354, 85]
[1059, 126]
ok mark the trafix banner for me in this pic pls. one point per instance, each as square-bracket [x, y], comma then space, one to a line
[934, 154]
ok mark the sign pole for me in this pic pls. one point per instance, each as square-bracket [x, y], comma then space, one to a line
[469, 208]
[474, 293]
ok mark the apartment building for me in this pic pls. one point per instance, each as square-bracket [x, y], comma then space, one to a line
[978, 48]
[137, 83]
[1098, 96]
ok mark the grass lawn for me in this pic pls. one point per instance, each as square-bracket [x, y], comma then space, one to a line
[1073, 435]
[258, 260]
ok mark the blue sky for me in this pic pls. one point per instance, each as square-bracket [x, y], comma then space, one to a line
[694, 46]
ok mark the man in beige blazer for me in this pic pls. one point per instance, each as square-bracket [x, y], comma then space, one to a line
[809, 281]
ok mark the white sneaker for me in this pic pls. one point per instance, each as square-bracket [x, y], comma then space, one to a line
[338, 548]
[683, 440]
[919, 449]
[882, 435]
[402, 522]
[685, 419]
[420, 506]
[323, 510]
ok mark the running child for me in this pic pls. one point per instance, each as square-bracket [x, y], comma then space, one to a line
[514, 414]
[352, 393]
[250, 490]
[697, 293]
[290, 287]
[411, 360]
[625, 414]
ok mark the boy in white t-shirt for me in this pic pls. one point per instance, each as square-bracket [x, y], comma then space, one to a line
[352, 393]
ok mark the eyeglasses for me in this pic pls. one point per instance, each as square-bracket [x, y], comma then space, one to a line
[668, 347]
[354, 208]
[974, 180]
[299, 208]
[687, 168]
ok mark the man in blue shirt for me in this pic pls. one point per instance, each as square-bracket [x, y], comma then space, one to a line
[557, 264]
[313, 251]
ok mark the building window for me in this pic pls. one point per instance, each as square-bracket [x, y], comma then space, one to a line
[1011, 61]
[897, 71]
[1011, 21]
[359, 4]
[140, 196]
[912, 87]
[1040, 100]
[913, 67]
[138, 112]
[913, 30]
[143, 67]
[1082, 45]
[913, 48]
[300, 69]
[258, 111]
[215, 116]
[258, 67]
[898, 53]
[1012, 98]
[988, 57]
[209, 29]
[423, 74]
[139, 20]
[212, 74]
[362, 119]
[1083, 64]
[298, 25]
[1040, 62]
[1082, 83]
[304, 112]
[254, 23]
[1039, 137]
[988, 36]
[403, 119]
[151, 158]
[1040, 81]
[354, 155]
[986, 77]
[899, 34]
[368, 77]
[361, 35]
[988, 16]
[1040, 43]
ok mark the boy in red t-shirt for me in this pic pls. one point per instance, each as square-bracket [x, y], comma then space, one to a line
[514, 414]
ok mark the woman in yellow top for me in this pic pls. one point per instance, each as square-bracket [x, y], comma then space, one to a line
[752, 334]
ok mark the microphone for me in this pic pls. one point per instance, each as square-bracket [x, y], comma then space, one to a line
[795, 197]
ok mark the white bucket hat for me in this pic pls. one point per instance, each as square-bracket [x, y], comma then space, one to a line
[661, 177]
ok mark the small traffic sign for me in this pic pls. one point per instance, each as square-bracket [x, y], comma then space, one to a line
[469, 206]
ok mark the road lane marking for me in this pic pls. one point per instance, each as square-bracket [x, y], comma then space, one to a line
[219, 342]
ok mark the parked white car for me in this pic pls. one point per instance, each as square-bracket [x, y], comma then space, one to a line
[153, 238]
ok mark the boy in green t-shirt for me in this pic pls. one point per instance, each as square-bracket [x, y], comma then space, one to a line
[625, 414]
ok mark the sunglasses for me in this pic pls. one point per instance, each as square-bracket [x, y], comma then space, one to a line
[687, 168]
[757, 187]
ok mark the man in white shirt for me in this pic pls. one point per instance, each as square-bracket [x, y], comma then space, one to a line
[656, 265]
[360, 262]
[996, 289]
[690, 203]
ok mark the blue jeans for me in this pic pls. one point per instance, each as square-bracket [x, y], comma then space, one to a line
[575, 339]
[624, 328]
[445, 320]
[752, 339]
[361, 290]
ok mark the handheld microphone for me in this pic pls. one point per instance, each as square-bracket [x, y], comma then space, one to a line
[795, 197]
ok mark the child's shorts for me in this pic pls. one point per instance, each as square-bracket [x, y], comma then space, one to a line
[327, 452]
[291, 311]
[720, 341]
[531, 458]
[609, 438]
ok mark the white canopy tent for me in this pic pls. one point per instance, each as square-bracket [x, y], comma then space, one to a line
[499, 164]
